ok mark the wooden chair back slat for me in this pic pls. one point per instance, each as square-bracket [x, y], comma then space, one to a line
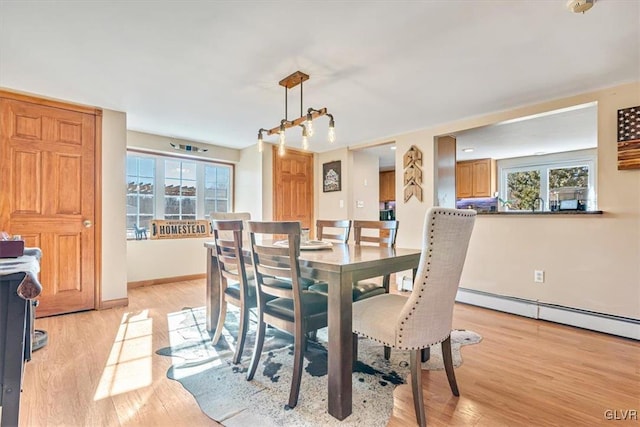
[341, 237]
[380, 239]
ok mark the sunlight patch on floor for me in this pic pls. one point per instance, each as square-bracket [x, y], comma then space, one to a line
[189, 337]
[129, 366]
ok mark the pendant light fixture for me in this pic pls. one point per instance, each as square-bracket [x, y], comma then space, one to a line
[305, 121]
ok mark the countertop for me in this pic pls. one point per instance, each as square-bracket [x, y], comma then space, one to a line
[512, 213]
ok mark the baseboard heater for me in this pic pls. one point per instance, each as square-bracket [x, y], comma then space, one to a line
[607, 323]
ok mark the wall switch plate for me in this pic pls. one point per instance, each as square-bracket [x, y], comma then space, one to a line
[341, 203]
[359, 204]
[538, 276]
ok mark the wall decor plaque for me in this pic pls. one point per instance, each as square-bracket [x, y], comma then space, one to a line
[629, 138]
[331, 176]
[412, 162]
[180, 228]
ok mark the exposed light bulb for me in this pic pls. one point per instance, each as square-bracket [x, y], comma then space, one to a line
[282, 137]
[309, 124]
[305, 139]
[332, 131]
[281, 150]
[260, 142]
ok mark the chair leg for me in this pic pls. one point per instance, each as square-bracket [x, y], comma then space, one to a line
[387, 352]
[242, 334]
[426, 354]
[221, 318]
[354, 338]
[448, 365]
[257, 349]
[385, 282]
[416, 387]
[299, 345]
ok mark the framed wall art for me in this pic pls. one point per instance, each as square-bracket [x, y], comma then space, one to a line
[331, 176]
[629, 138]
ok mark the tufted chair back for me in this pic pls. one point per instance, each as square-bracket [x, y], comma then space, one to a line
[427, 316]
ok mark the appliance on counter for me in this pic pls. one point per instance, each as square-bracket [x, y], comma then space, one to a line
[388, 211]
[387, 215]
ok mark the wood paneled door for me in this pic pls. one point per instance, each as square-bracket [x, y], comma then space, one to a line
[293, 187]
[48, 193]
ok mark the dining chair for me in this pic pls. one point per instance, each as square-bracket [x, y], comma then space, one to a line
[425, 317]
[292, 308]
[244, 216]
[235, 288]
[386, 236]
[333, 230]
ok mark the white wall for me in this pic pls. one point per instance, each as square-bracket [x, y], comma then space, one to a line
[114, 200]
[591, 262]
[365, 183]
[160, 144]
[248, 183]
[334, 204]
[158, 259]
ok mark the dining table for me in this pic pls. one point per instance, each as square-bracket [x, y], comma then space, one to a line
[340, 265]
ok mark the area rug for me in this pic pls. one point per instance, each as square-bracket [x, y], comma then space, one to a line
[224, 395]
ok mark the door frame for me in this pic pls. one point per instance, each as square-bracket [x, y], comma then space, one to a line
[97, 175]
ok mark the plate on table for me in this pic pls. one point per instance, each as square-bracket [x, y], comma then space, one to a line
[311, 245]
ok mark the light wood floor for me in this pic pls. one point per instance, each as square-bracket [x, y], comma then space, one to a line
[100, 369]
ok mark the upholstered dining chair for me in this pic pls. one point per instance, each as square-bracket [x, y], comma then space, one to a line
[235, 288]
[292, 308]
[425, 317]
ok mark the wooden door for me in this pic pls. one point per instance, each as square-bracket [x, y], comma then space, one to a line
[47, 194]
[293, 187]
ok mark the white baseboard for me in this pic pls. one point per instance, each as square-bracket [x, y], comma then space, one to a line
[614, 325]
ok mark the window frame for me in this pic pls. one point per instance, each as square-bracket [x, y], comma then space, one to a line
[159, 183]
[544, 164]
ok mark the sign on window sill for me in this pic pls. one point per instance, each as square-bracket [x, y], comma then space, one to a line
[180, 228]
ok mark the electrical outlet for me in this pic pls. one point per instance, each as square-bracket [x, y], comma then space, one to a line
[538, 276]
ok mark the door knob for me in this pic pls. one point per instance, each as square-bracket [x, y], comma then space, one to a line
[87, 223]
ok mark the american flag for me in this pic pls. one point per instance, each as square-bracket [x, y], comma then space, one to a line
[629, 124]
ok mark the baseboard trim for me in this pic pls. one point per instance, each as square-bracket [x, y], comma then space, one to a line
[162, 280]
[600, 322]
[113, 303]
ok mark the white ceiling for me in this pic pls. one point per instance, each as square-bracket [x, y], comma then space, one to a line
[208, 71]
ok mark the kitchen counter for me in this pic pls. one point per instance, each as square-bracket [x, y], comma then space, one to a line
[516, 213]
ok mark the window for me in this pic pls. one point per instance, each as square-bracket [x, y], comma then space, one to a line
[556, 179]
[162, 187]
[140, 192]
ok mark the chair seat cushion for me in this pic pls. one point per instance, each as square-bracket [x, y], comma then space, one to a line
[361, 290]
[377, 317]
[304, 282]
[314, 303]
[233, 289]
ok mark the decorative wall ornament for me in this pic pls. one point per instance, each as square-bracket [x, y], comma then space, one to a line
[190, 148]
[412, 162]
[629, 138]
[331, 176]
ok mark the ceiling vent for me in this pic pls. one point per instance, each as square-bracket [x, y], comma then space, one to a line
[580, 6]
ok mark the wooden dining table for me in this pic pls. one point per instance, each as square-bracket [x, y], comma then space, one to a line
[340, 266]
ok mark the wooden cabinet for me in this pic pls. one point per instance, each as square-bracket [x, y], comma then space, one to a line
[387, 186]
[476, 178]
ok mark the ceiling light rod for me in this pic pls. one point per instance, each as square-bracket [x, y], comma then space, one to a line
[304, 121]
